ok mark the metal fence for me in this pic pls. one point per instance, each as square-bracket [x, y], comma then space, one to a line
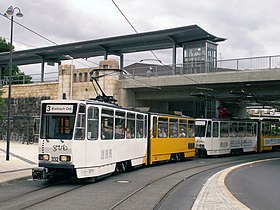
[198, 67]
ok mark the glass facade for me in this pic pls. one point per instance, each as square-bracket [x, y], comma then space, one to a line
[200, 57]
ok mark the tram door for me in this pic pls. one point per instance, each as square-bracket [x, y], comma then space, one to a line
[215, 135]
[79, 146]
[92, 143]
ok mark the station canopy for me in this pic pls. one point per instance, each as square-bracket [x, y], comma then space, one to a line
[155, 40]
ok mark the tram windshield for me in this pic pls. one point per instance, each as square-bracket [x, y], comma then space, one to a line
[57, 124]
[200, 128]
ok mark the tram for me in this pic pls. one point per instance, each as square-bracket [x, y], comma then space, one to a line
[233, 136]
[171, 138]
[91, 138]
[222, 136]
[269, 139]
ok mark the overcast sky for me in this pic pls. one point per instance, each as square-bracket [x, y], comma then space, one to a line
[251, 27]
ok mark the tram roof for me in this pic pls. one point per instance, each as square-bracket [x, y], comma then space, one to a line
[155, 40]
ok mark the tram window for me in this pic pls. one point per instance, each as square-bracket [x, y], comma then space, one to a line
[139, 126]
[278, 129]
[266, 129]
[273, 130]
[233, 129]
[107, 120]
[182, 128]
[200, 128]
[250, 129]
[208, 131]
[162, 127]
[145, 127]
[241, 129]
[173, 128]
[92, 128]
[224, 129]
[80, 125]
[215, 129]
[130, 126]
[154, 127]
[191, 128]
[119, 124]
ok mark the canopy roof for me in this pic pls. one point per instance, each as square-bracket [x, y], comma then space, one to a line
[155, 40]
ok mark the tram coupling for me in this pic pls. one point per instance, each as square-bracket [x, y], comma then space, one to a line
[39, 173]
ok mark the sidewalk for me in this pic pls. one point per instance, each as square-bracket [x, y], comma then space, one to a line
[22, 159]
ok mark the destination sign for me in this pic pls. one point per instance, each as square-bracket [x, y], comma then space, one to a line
[55, 108]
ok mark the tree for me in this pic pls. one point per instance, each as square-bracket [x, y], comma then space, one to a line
[18, 76]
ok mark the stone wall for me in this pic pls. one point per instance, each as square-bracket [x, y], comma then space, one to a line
[32, 90]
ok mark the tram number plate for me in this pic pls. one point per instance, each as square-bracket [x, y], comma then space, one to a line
[54, 159]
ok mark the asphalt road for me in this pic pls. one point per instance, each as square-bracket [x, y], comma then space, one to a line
[105, 193]
[257, 185]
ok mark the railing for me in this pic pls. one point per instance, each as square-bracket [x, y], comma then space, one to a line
[195, 67]
[31, 78]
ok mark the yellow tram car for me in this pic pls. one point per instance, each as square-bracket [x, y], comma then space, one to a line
[171, 137]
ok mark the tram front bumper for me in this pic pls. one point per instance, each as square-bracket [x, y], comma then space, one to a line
[39, 173]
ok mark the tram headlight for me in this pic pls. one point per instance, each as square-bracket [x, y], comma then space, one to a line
[65, 158]
[45, 157]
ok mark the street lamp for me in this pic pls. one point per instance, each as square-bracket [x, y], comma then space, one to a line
[10, 14]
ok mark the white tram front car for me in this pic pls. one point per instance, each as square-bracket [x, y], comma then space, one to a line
[81, 139]
[225, 136]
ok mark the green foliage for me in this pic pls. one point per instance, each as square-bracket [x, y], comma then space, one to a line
[18, 76]
[4, 45]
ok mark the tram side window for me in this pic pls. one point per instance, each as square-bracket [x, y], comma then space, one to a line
[119, 124]
[80, 125]
[215, 129]
[208, 131]
[154, 127]
[233, 129]
[140, 126]
[92, 129]
[278, 128]
[173, 128]
[241, 129]
[224, 129]
[191, 128]
[145, 126]
[250, 129]
[267, 129]
[273, 130]
[162, 127]
[107, 120]
[130, 126]
[182, 128]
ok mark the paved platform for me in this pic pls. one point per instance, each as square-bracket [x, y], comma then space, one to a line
[23, 157]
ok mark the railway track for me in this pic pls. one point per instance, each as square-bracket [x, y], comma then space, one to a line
[151, 191]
